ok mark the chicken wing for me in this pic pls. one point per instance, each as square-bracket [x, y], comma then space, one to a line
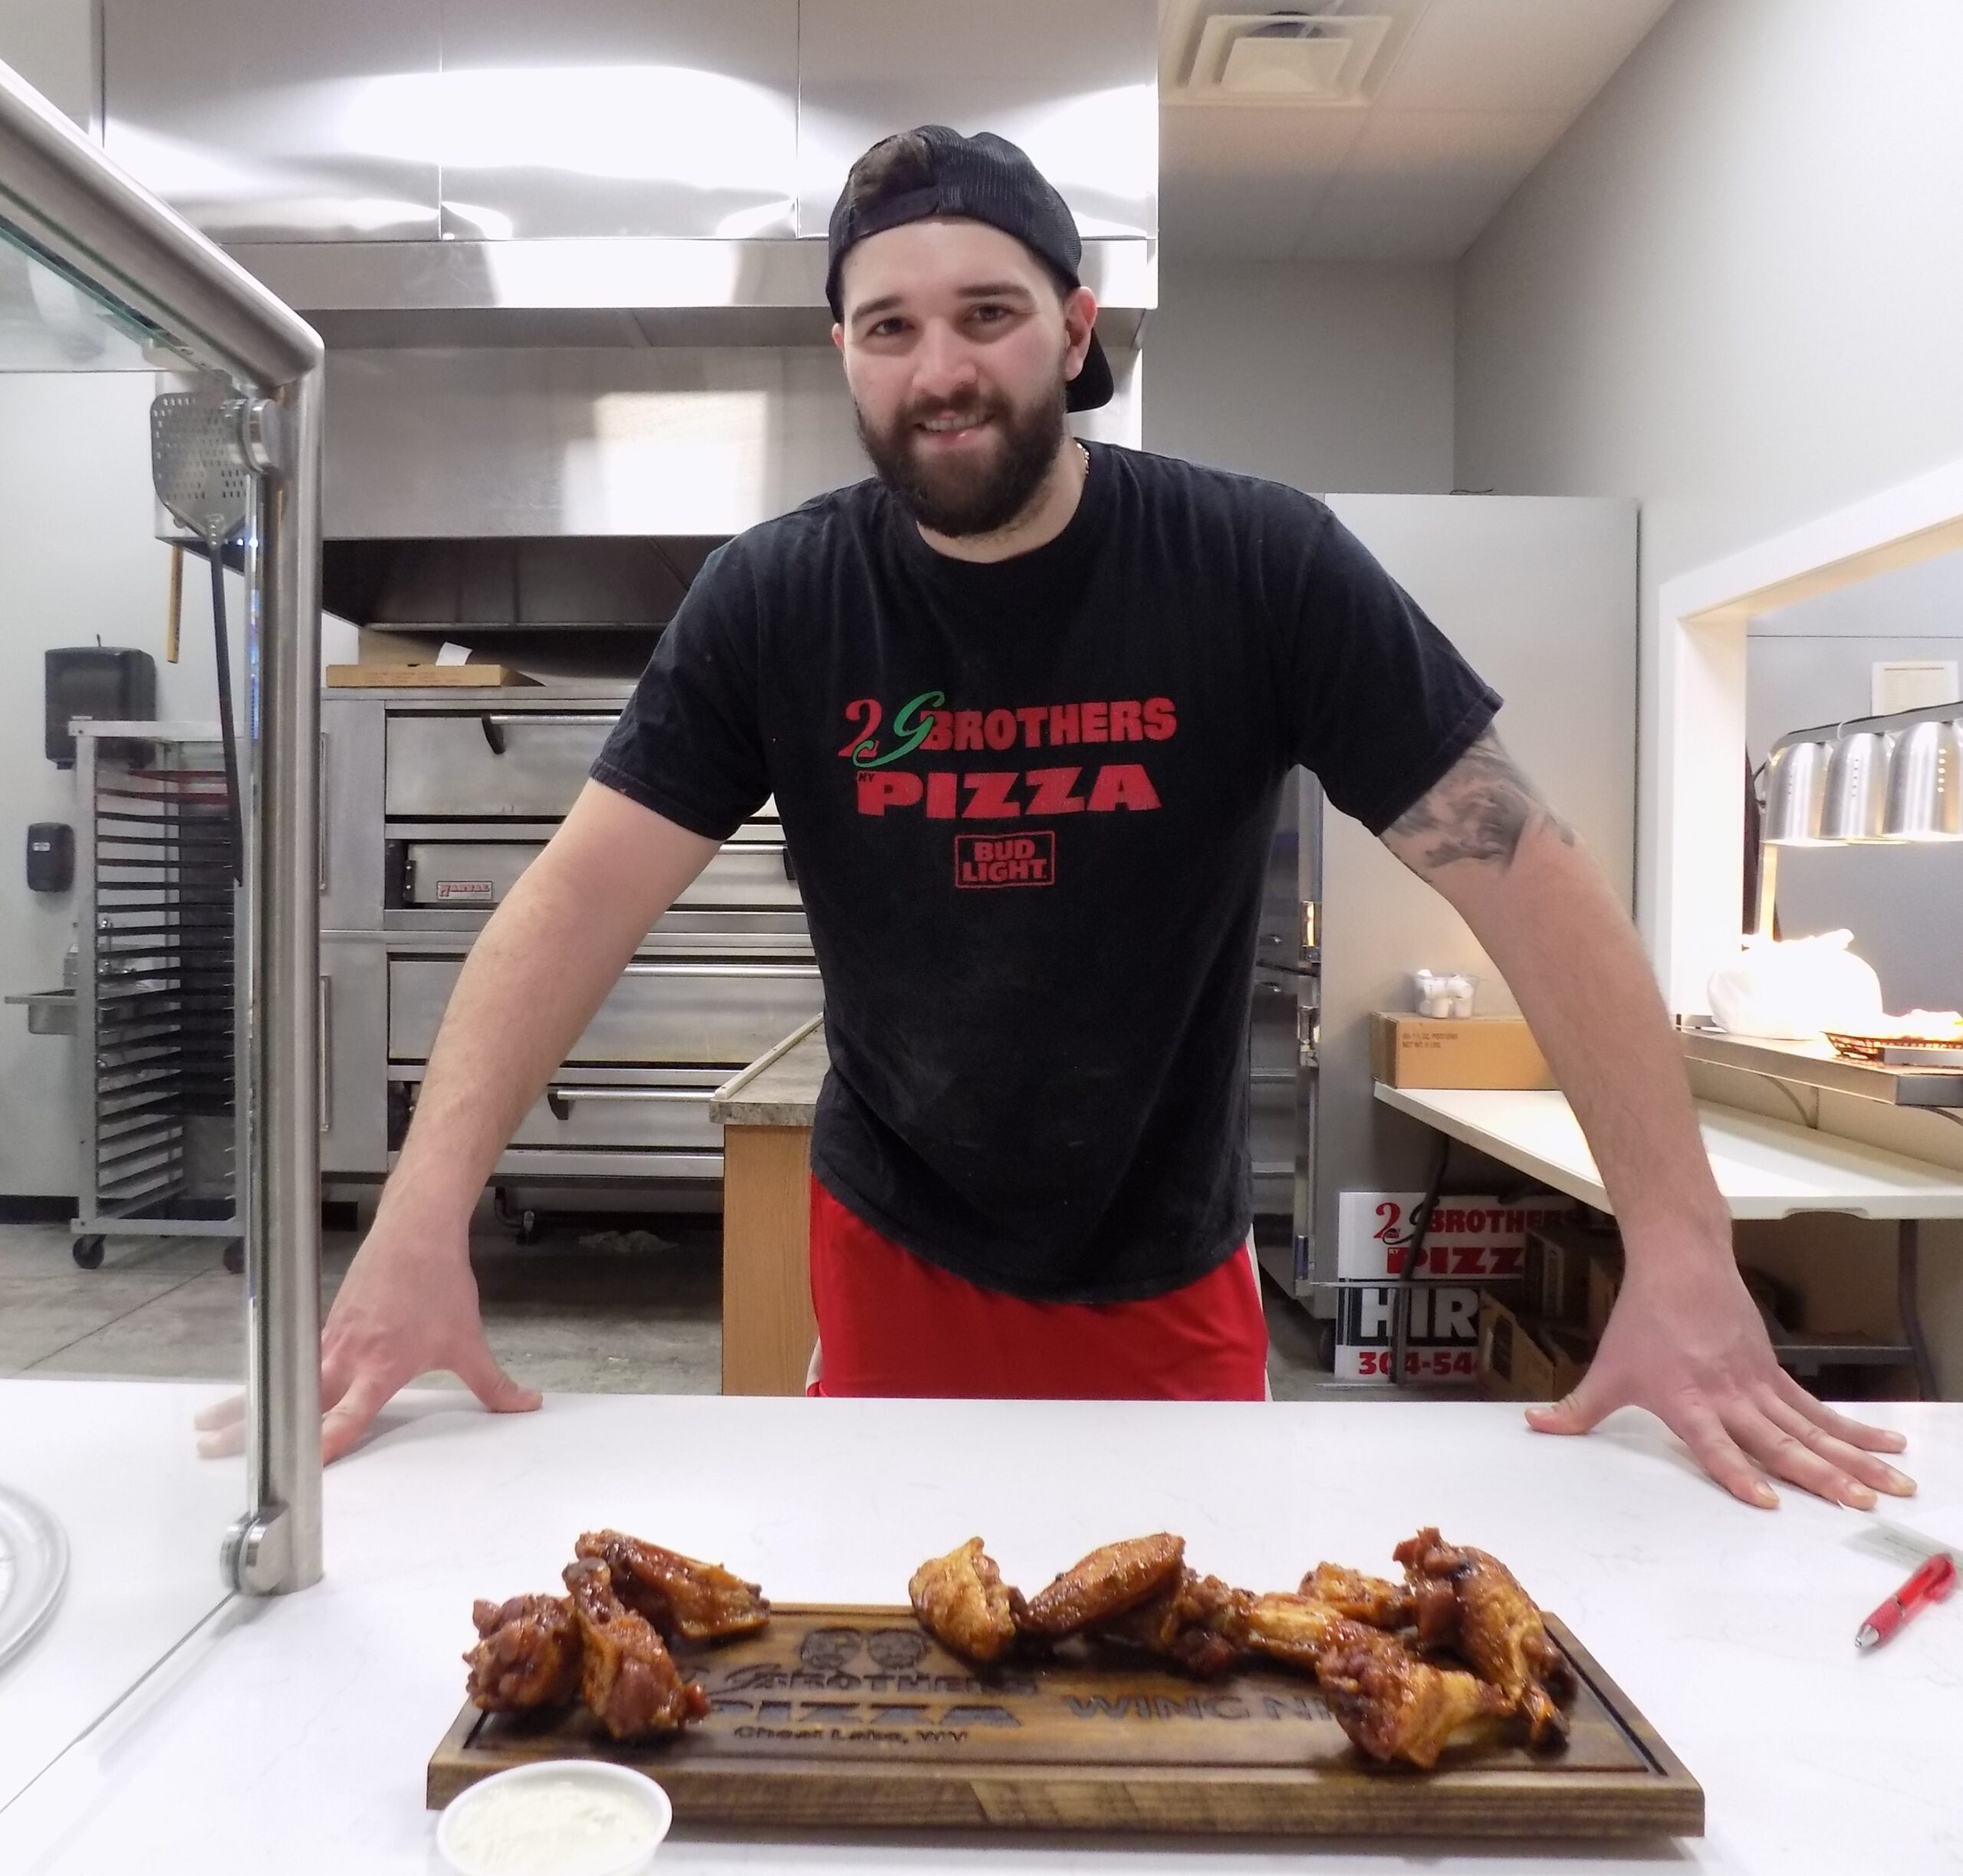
[627, 1676]
[1471, 1603]
[1297, 1629]
[962, 1602]
[1395, 1706]
[1198, 1623]
[529, 1654]
[681, 1597]
[1371, 1599]
[1107, 1583]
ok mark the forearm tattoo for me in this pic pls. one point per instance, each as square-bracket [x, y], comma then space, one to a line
[1480, 809]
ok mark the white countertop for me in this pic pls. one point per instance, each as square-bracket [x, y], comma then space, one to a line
[118, 1465]
[1765, 1168]
[293, 1735]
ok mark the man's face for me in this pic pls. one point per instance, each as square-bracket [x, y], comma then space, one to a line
[957, 353]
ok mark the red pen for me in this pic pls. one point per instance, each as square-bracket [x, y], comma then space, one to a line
[1930, 1584]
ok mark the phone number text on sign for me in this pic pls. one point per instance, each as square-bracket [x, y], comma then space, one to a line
[1419, 1364]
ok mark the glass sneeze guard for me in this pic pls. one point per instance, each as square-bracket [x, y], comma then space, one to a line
[50, 322]
[97, 275]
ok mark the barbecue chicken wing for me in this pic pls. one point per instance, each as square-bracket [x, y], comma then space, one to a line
[1198, 1623]
[681, 1597]
[1390, 1702]
[962, 1602]
[1471, 1603]
[1363, 1598]
[529, 1654]
[627, 1677]
[1395, 1706]
[1296, 1629]
[1106, 1584]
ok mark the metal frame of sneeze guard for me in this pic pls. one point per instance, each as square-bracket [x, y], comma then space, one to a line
[65, 200]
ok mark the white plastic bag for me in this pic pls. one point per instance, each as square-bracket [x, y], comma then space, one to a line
[1794, 989]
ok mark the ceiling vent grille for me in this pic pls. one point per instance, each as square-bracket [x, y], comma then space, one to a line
[1287, 58]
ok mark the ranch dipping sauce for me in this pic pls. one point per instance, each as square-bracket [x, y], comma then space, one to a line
[563, 1823]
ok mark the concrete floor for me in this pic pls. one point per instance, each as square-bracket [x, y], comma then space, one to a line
[562, 1315]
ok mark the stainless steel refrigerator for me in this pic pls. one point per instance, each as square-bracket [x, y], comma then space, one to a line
[1540, 593]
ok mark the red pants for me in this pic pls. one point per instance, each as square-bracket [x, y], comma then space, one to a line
[892, 1325]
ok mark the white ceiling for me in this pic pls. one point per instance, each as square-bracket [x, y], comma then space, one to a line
[1467, 96]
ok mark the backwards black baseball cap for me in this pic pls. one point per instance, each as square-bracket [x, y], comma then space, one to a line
[935, 171]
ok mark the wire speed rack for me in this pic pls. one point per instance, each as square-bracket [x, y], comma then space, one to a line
[156, 998]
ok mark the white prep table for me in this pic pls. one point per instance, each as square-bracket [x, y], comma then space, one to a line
[1764, 1168]
[292, 1735]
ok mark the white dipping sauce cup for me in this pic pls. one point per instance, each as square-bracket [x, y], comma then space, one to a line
[618, 1782]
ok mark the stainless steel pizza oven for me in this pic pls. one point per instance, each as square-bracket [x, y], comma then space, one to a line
[433, 804]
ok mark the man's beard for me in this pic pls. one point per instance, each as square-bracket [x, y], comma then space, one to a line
[963, 495]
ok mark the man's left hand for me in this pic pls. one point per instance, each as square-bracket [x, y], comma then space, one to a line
[1688, 1346]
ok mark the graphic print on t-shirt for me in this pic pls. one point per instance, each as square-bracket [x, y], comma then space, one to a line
[1005, 859]
[924, 723]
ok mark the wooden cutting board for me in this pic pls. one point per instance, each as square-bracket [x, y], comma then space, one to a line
[841, 1718]
[423, 677]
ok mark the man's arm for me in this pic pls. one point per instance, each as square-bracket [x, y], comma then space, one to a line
[540, 968]
[1685, 1340]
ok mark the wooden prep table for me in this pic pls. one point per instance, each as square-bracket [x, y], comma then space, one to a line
[766, 1113]
[293, 1734]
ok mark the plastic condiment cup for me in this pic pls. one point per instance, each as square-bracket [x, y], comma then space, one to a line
[621, 1781]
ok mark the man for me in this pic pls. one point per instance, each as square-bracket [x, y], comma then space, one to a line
[1025, 707]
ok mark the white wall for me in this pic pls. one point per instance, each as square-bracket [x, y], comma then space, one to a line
[1330, 376]
[1735, 289]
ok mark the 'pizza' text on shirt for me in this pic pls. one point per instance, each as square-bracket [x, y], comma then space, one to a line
[992, 794]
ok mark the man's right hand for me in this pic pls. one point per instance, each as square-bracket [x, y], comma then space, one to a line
[407, 1307]
[537, 971]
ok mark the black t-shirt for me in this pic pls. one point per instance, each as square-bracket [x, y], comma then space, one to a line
[1029, 804]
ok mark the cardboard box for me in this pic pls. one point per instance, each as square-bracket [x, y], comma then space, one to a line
[372, 677]
[1442, 1052]
[1604, 1285]
[1573, 1274]
[1523, 1357]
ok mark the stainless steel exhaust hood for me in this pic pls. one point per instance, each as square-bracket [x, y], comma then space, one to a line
[455, 172]
[569, 262]
[642, 292]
